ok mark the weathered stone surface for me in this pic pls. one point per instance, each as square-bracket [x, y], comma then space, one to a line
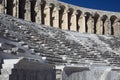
[13, 69]
[20, 38]
[44, 44]
[93, 73]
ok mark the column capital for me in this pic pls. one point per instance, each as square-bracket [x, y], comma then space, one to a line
[84, 15]
[75, 12]
[66, 10]
[100, 18]
[57, 9]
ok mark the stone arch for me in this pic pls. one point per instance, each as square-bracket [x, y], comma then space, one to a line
[42, 11]
[70, 18]
[88, 22]
[22, 8]
[52, 14]
[9, 7]
[114, 26]
[61, 16]
[47, 13]
[97, 23]
[55, 16]
[79, 20]
[105, 24]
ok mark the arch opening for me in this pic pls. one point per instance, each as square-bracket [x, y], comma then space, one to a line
[61, 13]
[10, 7]
[70, 12]
[96, 25]
[52, 17]
[87, 16]
[104, 18]
[78, 20]
[22, 8]
[42, 12]
[33, 13]
[113, 26]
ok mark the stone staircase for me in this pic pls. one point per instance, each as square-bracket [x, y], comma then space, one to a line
[7, 66]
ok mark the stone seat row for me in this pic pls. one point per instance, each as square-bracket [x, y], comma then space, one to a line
[50, 46]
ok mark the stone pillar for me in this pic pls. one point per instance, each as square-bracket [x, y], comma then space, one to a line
[65, 20]
[5, 6]
[90, 24]
[38, 17]
[59, 70]
[47, 15]
[55, 16]
[28, 10]
[107, 26]
[16, 8]
[74, 21]
[99, 26]
[81, 23]
[2, 6]
[116, 27]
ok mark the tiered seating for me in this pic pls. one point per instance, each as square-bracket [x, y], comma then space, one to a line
[26, 39]
[7, 67]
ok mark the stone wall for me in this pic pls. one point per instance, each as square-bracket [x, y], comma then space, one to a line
[90, 73]
[31, 70]
[62, 15]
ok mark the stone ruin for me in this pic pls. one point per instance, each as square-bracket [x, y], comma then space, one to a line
[62, 15]
[30, 51]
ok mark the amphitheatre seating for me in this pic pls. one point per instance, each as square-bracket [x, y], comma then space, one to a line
[20, 39]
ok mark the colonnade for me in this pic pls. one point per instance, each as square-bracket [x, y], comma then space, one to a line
[61, 16]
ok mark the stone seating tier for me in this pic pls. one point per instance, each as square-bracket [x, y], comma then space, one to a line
[36, 40]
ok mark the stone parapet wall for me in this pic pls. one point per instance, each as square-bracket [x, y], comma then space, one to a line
[65, 16]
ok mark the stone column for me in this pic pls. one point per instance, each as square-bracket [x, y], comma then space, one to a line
[47, 15]
[107, 26]
[81, 23]
[90, 24]
[116, 27]
[16, 8]
[74, 21]
[2, 6]
[99, 26]
[38, 17]
[28, 10]
[55, 16]
[5, 6]
[65, 20]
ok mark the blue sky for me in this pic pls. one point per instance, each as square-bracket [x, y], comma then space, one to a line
[109, 5]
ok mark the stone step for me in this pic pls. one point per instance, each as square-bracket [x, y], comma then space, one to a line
[7, 68]
[5, 76]
[9, 63]
[6, 71]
